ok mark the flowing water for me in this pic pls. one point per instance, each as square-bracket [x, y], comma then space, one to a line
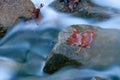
[28, 37]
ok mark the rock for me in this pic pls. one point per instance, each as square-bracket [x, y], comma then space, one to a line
[86, 9]
[12, 10]
[3, 30]
[104, 50]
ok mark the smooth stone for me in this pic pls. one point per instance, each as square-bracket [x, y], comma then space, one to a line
[104, 51]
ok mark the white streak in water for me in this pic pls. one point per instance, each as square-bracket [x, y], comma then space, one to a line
[8, 68]
[108, 3]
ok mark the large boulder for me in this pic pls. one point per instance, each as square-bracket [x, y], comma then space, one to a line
[86, 9]
[12, 10]
[104, 50]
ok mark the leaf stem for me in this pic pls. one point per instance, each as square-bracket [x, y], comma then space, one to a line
[79, 50]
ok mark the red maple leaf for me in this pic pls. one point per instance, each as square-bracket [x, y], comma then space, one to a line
[75, 38]
[83, 40]
[87, 38]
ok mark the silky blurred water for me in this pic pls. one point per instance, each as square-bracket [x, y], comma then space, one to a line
[108, 3]
[28, 38]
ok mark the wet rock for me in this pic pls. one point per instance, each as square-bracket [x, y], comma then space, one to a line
[3, 30]
[57, 62]
[86, 9]
[12, 10]
[104, 50]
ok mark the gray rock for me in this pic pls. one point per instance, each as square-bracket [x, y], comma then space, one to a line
[104, 50]
[86, 9]
[12, 10]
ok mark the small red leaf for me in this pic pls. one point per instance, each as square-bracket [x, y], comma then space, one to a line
[83, 40]
[79, 39]
[37, 14]
[87, 38]
[71, 4]
[75, 38]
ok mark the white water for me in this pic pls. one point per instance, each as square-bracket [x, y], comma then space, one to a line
[8, 68]
[108, 3]
[51, 16]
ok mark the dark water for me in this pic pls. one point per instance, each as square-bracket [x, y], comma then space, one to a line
[28, 38]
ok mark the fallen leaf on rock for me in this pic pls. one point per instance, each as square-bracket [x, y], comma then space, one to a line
[81, 39]
[87, 38]
[75, 38]
[71, 4]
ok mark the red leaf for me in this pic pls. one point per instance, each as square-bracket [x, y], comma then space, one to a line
[37, 14]
[83, 40]
[71, 4]
[87, 38]
[75, 38]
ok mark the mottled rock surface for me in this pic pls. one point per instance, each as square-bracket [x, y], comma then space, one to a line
[86, 9]
[12, 10]
[104, 50]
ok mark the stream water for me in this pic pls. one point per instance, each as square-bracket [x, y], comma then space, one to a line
[28, 37]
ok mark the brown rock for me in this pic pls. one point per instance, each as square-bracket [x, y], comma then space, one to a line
[12, 10]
